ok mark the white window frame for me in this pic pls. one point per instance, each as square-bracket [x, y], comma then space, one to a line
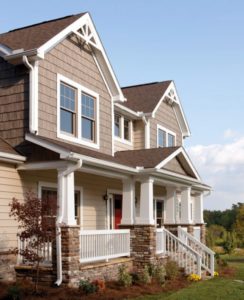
[167, 131]
[121, 137]
[52, 185]
[78, 139]
[158, 199]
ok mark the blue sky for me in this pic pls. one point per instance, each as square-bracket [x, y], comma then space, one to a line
[199, 44]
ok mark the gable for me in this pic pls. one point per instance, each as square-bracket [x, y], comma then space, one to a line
[75, 62]
[175, 166]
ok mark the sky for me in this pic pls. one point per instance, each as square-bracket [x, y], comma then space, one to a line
[198, 44]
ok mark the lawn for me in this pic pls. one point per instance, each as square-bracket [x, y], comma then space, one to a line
[213, 289]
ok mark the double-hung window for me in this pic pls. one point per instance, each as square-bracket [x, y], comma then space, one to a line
[122, 128]
[88, 117]
[165, 137]
[78, 113]
[67, 109]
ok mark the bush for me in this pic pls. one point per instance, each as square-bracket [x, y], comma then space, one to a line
[100, 285]
[88, 287]
[125, 279]
[145, 277]
[14, 292]
[230, 242]
[172, 269]
[160, 274]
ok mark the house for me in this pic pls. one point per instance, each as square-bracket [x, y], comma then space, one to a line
[113, 157]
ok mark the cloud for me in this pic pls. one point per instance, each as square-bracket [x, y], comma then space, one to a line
[229, 133]
[222, 167]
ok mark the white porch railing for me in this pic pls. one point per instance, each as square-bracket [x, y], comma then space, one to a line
[178, 251]
[98, 245]
[207, 255]
[45, 251]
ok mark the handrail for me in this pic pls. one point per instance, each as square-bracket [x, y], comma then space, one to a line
[207, 255]
[183, 254]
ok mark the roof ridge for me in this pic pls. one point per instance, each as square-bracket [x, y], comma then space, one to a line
[43, 22]
[143, 84]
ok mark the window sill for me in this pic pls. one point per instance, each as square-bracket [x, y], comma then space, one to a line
[118, 139]
[78, 141]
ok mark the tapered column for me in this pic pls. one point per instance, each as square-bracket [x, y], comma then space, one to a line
[170, 206]
[198, 211]
[128, 202]
[66, 199]
[186, 206]
[146, 203]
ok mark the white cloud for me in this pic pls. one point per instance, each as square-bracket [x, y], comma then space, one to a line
[229, 133]
[222, 167]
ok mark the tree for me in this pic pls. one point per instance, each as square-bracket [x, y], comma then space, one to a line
[239, 224]
[230, 242]
[36, 222]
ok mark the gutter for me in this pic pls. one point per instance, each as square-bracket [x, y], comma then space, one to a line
[12, 158]
[33, 94]
[59, 220]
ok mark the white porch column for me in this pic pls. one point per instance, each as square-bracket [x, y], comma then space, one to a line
[198, 215]
[146, 203]
[66, 191]
[186, 206]
[170, 206]
[128, 202]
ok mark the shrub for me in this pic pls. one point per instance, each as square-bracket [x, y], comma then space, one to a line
[160, 274]
[144, 276]
[194, 277]
[14, 292]
[100, 285]
[125, 279]
[88, 287]
[172, 269]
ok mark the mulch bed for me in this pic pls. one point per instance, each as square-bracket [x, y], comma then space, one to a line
[113, 291]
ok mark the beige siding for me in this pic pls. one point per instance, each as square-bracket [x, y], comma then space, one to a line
[165, 117]
[175, 166]
[120, 146]
[139, 135]
[77, 64]
[14, 92]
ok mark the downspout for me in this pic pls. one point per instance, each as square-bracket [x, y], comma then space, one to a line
[33, 92]
[146, 122]
[61, 192]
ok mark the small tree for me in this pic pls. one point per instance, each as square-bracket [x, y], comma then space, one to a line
[36, 223]
[230, 242]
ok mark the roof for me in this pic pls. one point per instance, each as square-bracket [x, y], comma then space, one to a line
[145, 97]
[5, 147]
[146, 158]
[34, 36]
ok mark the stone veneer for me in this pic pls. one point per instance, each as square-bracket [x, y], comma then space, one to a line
[143, 245]
[7, 264]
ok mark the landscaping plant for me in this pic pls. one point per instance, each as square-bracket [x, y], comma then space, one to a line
[36, 224]
[125, 279]
[172, 269]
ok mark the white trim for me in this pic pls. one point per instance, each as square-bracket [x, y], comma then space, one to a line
[4, 50]
[162, 200]
[174, 154]
[167, 131]
[47, 184]
[78, 139]
[97, 48]
[180, 116]
[44, 165]
[15, 158]
[131, 113]
[121, 138]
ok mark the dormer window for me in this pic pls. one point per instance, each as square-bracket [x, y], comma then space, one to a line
[122, 128]
[165, 137]
[78, 113]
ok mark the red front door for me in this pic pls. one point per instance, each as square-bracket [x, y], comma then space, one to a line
[117, 210]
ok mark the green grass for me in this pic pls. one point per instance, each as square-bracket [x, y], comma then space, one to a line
[213, 289]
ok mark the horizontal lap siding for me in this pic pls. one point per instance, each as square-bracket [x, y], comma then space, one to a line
[14, 93]
[139, 135]
[175, 166]
[78, 65]
[165, 117]
[120, 146]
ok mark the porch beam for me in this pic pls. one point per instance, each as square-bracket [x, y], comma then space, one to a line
[46, 165]
[128, 202]
[146, 202]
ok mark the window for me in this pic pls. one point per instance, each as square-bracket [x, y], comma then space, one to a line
[165, 137]
[171, 140]
[78, 113]
[161, 138]
[67, 108]
[117, 125]
[126, 129]
[122, 128]
[88, 117]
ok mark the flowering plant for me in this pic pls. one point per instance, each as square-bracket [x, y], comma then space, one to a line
[216, 274]
[194, 277]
